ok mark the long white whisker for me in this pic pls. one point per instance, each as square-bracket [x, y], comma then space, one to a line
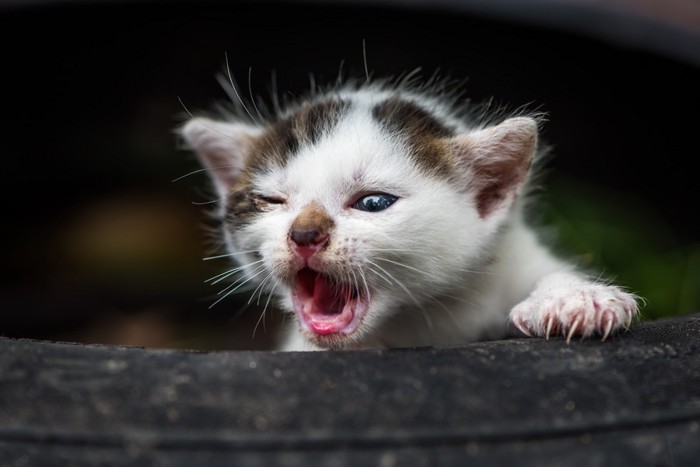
[399, 283]
[452, 297]
[187, 111]
[447, 310]
[205, 203]
[380, 275]
[262, 314]
[428, 320]
[354, 279]
[219, 277]
[188, 174]
[364, 57]
[262, 289]
[259, 288]
[471, 271]
[236, 288]
[261, 318]
[274, 92]
[233, 86]
[227, 255]
[222, 275]
[269, 296]
[250, 92]
[211, 128]
[244, 278]
[364, 281]
[402, 250]
[402, 265]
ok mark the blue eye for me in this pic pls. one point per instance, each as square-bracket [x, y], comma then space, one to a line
[374, 203]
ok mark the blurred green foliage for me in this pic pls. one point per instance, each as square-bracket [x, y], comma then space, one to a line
[629, 241]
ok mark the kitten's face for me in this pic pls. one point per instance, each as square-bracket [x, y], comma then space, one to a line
[352, 232]
[354, 225]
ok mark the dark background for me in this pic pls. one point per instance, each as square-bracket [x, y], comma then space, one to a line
[100, 245]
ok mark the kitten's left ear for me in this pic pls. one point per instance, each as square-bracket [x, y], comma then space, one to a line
[497, 159]
[222, 147]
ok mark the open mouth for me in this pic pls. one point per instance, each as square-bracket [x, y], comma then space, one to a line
[326, 306]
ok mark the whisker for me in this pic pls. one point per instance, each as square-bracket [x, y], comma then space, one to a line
[275, 93]
[219, 277]
[364, 281]
[399, 283]
[403, 265]
[260, 289]
[271, 294]
[470, 271]
[235, 90]
[262, 314]
[227, 255]
[205, 203]
[461, 300]
[234, 289]
[364, 57]
[447, 310]
[380, 275]
[188, 174]
[245, 279]
[211, 128]
[402, 250]
[428, 320]
[250, 92]
[223, 275]
[261, 318]
[182, 104]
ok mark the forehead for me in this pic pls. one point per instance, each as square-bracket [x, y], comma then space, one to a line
[355, 154]
[372, 136]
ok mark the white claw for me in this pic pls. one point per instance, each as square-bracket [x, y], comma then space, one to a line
[572, 330]
[550, 321]
[608, 328]
[522, 328]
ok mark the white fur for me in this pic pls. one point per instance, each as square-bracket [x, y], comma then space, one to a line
[437, 272]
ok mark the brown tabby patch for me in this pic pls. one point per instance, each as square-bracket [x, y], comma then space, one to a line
[303, 126]
[424, 132]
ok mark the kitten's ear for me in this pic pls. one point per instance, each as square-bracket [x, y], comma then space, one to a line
[221, 147]
[497, 159]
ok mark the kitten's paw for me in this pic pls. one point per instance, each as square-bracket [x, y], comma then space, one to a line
[576, 310]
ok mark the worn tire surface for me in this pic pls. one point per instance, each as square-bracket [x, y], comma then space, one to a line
[634, 400]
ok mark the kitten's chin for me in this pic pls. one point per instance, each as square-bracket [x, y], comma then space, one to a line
[329, 310]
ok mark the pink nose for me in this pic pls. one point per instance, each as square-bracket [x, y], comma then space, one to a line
[307, 243]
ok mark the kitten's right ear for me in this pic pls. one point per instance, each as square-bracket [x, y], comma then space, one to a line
[222, 148]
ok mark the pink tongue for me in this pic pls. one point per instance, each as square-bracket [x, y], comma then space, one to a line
[323, 305]
[328, 298]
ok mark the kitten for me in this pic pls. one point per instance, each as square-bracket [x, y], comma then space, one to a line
[382, 215]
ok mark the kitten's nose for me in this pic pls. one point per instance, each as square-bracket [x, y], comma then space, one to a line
[306, 237]
[310, 231]
[307, 242]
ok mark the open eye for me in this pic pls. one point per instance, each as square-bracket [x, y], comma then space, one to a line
[374, 202]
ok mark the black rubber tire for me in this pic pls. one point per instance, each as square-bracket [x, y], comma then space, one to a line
[634, 400]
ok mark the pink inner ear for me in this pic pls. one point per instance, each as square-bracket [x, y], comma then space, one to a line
[497, 186]
[498, 159]
[223, 167]
[221, 147]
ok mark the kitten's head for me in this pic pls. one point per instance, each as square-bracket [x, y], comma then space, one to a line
[358, 205]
